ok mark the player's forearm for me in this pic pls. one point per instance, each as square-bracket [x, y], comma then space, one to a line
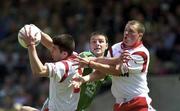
[97, 75]
[94, 76]
[90, 77]
[108, 60]
[46, 40]
[37, 67]
[106, 68]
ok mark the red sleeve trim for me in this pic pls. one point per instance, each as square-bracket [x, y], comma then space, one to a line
[46, 109]
[145, 57]
[80, 71]
[66, 71]
[76, 90]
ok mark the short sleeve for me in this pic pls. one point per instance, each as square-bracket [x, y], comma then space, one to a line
[138, 63]
[56, 69]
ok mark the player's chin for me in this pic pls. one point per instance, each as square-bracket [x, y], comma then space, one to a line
[128, 43]
[98, 53]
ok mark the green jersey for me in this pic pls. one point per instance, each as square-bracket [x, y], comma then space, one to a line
[89, 89]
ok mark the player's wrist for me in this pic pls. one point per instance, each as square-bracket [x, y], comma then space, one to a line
[31, 44]
[90, 63]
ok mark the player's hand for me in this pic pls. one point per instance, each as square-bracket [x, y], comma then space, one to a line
[82, 62]
[77, 81]
[125, 57]
[28, 37]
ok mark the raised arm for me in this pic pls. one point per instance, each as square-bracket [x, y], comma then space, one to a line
[46, 40]
[37, 67]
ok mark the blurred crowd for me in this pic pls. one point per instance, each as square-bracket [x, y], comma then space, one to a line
[80, 18]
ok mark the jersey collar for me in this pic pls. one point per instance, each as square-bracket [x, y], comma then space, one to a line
[137, 44]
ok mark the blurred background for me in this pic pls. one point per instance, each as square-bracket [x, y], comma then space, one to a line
[80, 18]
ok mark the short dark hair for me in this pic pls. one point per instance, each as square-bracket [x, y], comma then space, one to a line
[65, 42]
[99, 33]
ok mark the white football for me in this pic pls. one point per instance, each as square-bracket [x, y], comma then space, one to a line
[35, 32]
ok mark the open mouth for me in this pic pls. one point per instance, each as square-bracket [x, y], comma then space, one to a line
[97, 49]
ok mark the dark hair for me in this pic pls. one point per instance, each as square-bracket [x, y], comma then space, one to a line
[99, 33]
[65, 42]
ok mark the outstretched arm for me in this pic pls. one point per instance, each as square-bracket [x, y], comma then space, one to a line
[114, 60]
[78, 81]
[104, 68]
[96, 75]
[114, 66]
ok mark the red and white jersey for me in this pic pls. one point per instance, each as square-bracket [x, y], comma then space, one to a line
[134, 82]
[62, 97]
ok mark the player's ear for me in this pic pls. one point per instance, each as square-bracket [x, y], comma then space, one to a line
[65, 53]
[140, 35]
[107, 45]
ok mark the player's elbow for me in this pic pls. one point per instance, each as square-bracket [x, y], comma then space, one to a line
[40, 73]
[35, 73]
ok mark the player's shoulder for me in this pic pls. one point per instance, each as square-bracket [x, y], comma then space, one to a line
[116, 45]
[86, 54]
[143, 49]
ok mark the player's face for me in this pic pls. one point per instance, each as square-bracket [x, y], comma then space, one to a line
[56, 54]
[131, 35]
[98, 45]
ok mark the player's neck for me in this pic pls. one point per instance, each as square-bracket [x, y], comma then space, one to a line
[125, 47]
